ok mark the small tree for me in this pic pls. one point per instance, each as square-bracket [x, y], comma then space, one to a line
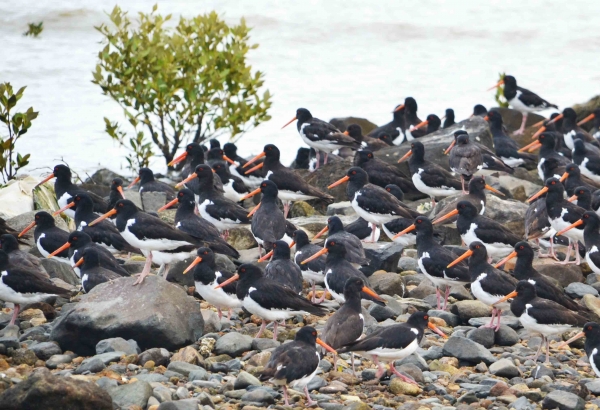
[500, 93]
[17, 124]
[181, 84]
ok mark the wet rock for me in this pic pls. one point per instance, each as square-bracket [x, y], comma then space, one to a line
[119, 309]
[157, 355]
[563, 400]
[504, 368]
[506, 336]
[55, 393]
[579, 290]
[93, 365]
[60, 270]
[244, 380]
[241, 238]
[450, 318]
[133, 394]
[387, 283]
[233, 344]
[183, 367]
[382, 256]
[117, 344]
[467, 350]
[483, 336]
[343, 123]
[564, 274]
[468, 309]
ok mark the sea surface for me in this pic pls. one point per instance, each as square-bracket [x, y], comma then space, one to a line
[336, 58]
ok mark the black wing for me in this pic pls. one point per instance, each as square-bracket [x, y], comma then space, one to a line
[317, 265]
[95, 277]
[493, 163]
[287, 179]
[291, 361]
[53, 239]
[531, 99]
[375, 199]
[499, 283]
[355, 252]
[437, 177]
[391, 337]
[286, 273]
[440, 258]
[23, 281]
[274, 296]
[465, 159]
[548, 312]
[223, 208]
[490, 231]
[230, 288]
[107, 233]
[343, 327]
[318, 130]
[149, 227]
[207, 234]
[28, 262]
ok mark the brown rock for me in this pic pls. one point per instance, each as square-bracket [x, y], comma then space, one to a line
[187, 354]
[24, 356]
[564, 274]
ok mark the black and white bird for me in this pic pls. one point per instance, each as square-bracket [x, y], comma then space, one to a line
[355, 253]
[479, 111]
[589, 162]
[380, 172]
[546, 142]
[570, 129]
[207, 276]
[522, 99]
[281, 269]
[370, 143]
[591, 332]
[506, 148]
[573, 179]
[432, 123]
[590, 223]
[296, 363]
[595, 131]
[19, 258]
[116, 193]
[465, 157]
[92, 272]
[449, 118]
[252, 179]
[394, 130]
[48, 237]
[542, 316]
[363, 230]
[194, 156]
[149, 184]
[234, 186]
[399, 224]
[314, 271]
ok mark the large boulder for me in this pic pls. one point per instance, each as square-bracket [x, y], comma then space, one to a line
[155, 314]
[44, 390]
[343, 123]
[105, 176]
[60, 270]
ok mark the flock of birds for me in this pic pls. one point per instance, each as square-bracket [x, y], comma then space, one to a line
[214, 182]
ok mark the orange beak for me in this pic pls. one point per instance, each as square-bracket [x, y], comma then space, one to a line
[321, 232]
[371, 293]
[253, 211]
[27, 228]
[267, 256]
[64, 208]
[538, 194]
[494, 190]
[226, 158]
[135, 181]
[405, 156]
[564, 176]
[538, 124]
[339, 182]
[79, 263]
[558, 117]
[436, 330]
[486, 118]
[228, 281]
[419, 125]
[447, 216]
[496, 86]
[505, 298]
[251, 194]
[258, 166]
[401, 106]
[326, 346]
[346, 132]
[59, 250]
[168, 205]
[48, 178]
[194, 263]
[503, 261]
[461, 258]
[178, 159]
[573, 198]
[188, 179]
[103, 217]
[407, 230]
[571, 340]
[587, 119]
[120, 189]
[256, 158]
[315, 256]
[568, 228]
[537, 133]
[450, 147]
[289, 122]
[531, 147]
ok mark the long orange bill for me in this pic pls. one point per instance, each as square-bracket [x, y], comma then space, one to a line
[571, 340]
[436, 330]
[267, 256]
[168, 205]
[401, 106]
[447, 216]
[450, 148]
[564, 176]
[587, 119]
[254, 168]
[494, 190]
[503, 261]
[188, 179]
[405, 156]
[419, 125]
[486, 118]
[404, 232]
[346, 132]
[226, 158]
[103, 217]
[326, 346]
[538, 132]
[178, 159]
[538, 194]
[59, 250]
[461, 258]
[228, 281]
[194, 263]
[315, 256]
[289, 122]
[321, 232]
[256, 158]
[292, 244]
[135, 181]
[27, 228]
[371, 293]
[558, 117]
[538, 124]
[120, 189]
[48, 178]
[505, 298]
[568, 228]
[64, 208]
[573, 198]
[251, 194]
[253, 211]
[339, 182]
[496, 86]
[79, 263]
[534, 145]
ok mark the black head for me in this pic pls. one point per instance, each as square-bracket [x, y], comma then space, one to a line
[62, 172]
[399, 112]
[281, 250]
[396, 191]
[477, 184]
[215, 154]
[204, 172]
[91, 257]
[300, 237]
[385, 137]
[194, 149]
[579, 145]
[83, 201]
[353, 288]
[554, 185]
[583, 194]
[479, 111]
[573, 170]
[466, 209]
[79, 239]
[592, 332]
[307, 334]
[186, 196]
[357, 175]
[547, 140]
[116, 183]
[8, 243]
[495, 118]
[214, 143]
[510, 81]
[450, 114]
[418, 150]
[433, 122]
[479, 251]
[269, 189]
[569, 114]
[3, 260]
[462, 138]
[423, 224]
[271, 152]
[526, 290]
[146, 175]
[523, 249]
[363, 156]
[302, 115]
[336, 248]
[249, 272]
[591, 220]
[125, 208]
[230, 150]
[335, 225]
[207, 255]
[221, 169]
[44, 220]
[355, 131]
[418, 319]
[411, 105]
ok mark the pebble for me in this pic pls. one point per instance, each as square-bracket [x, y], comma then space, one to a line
[482, 335]
[117, 344]
[258, 396]
[57, 359]
[504, 368]
[579, 290]
[245, 379]
[563, 400]
[183, 368]
[233, 344]
[468, 350]
[92, 365]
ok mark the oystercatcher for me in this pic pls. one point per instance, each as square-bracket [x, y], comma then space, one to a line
[371, 202]
[155, 238]
[19, 285]
[48, 237]
[589, 163]
[355, 252]
[595, 131]
[506, 148]
[590, 223]
[149, 184]
[338, 270]
[268, 222]
[321, 135]
[292, 187]
[65, 189]
[433, 259]
[398, 225]
[432, 122]
[296, 363]
[488, 284]
[546, 143]
[207, 276]
[479, 111]
[201, 229]
[233, 186]
[282, 270]
[411, 119]
[116, 193]
[393, 342]
[591, 332]
[429, 178]
[582, 197]
[19, 258]
[268, 300]
[216, 154]
[573, 179]
[254, 178]
[363, 230]
[380, 172]
[522, 99]
[314, 271]
[542, 316]
[465, 158]
[570, 128]
[385, 137]
[92, 273]
[194, 156]
[373, 144]
[393, 129]
[449, 118]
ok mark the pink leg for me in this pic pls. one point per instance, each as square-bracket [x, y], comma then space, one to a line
[491, 324]
[285, 395]
[219, 313]
[373, 229]
[432, 202]
[309, 401]
[275, 330]
[498, 319]
[322, 298]
[446, 297]
[314, 291]
[286, 208]
[577, 256]
[568, 258]
[352, 359]
[16, 311]
[437, 294]
[225, 234]
[547, 351]
[229, 314]
[462, 180]
[263, 326]
[520, 130]
[318, 156]
[145, 271]
[325, 160]
[400, 375]
[380, 368]
[539, 350]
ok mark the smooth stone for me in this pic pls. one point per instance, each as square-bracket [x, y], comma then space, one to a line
[563, 400]
[186, 404]
[233, 344]
[258, 396]
[117, 344]
[245, 379]
[510, 321]
[504, 368]
[579, 290]
[183, 368]
[152, 378]
[106, 383]
[450, 318]
[264, 344]
[506, 336]
[132, 394]
[467, 350]
[92, 365]
[54, 361]
[468, 309]
[159, 356]
[45, 350]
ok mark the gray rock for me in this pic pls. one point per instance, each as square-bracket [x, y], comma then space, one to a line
[212, 323]
[579, 290]
[152, 378]
[107, 357]
[54, 361]
[406, 263]
[451, 319]
[510, 321]
[244, 380]
[152, 201]
[45, 350]
[106, 383]
[60, 270]
[258, 396]
[564, 274]
[468, 350]
[162, 393]
[541, 371]
[482, 335]
[413, 371]
[9, 342]
[132, 394]
[198, 374]
[92, 365]
[182, 393]
[506, 336]
[468, 309]
[316, 383]
[224, 263]
[504, 368]
[340, 208]
[382, 256]
[117, 344]
[414, 360]
[264, 344]
[119, 309]
[422, 291]
[563, 400]
[177, 276]
[187, 404]
[594, 387]
[433, 353]
[381, 313]
[387, 284]
[104, 177]
[183, 367]
[233, 344]
[522, 404]
[159, 356]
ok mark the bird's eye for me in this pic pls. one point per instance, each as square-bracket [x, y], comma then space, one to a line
[243, 270]
[353, 172]
[332, 243]
[121, 205]
[589, 328]
[586, 216]
[205, 252]
[426, 317]
[388, 189]
[370, 155]
[314, 333]
[37, 217]
[477, 246]
[521, 247]
[75, 238]
[553, 182]
[419, 221]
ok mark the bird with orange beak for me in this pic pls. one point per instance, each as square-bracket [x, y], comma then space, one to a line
[116, 192]
[149, 184]
[591, 332]
[48, 237]
[393, 130]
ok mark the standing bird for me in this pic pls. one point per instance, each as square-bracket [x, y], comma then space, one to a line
[48, 237]
[234, 187]
[591, 332]
[582, 197]
[546, 142]
[314, 271]
[411, 119]
[267, 300]
[506, 148]
[570, 129]
[490, 161]
[380, 172]
[488, 284]
[116, 193]
[252, 179]
[433, 259]
[363, 230]
[281, 269]
[321, 135]
[589, 162]
[394, 130]
[296, 363]
[92, 273]
[522, 99]
[393, 342]
[542, 316]
[590, 223]
[479, 111]
[355, 252]
[291, 185]
[449, 120]
[19, 258]
[149, 184]
[465, 158]
[370, 143]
